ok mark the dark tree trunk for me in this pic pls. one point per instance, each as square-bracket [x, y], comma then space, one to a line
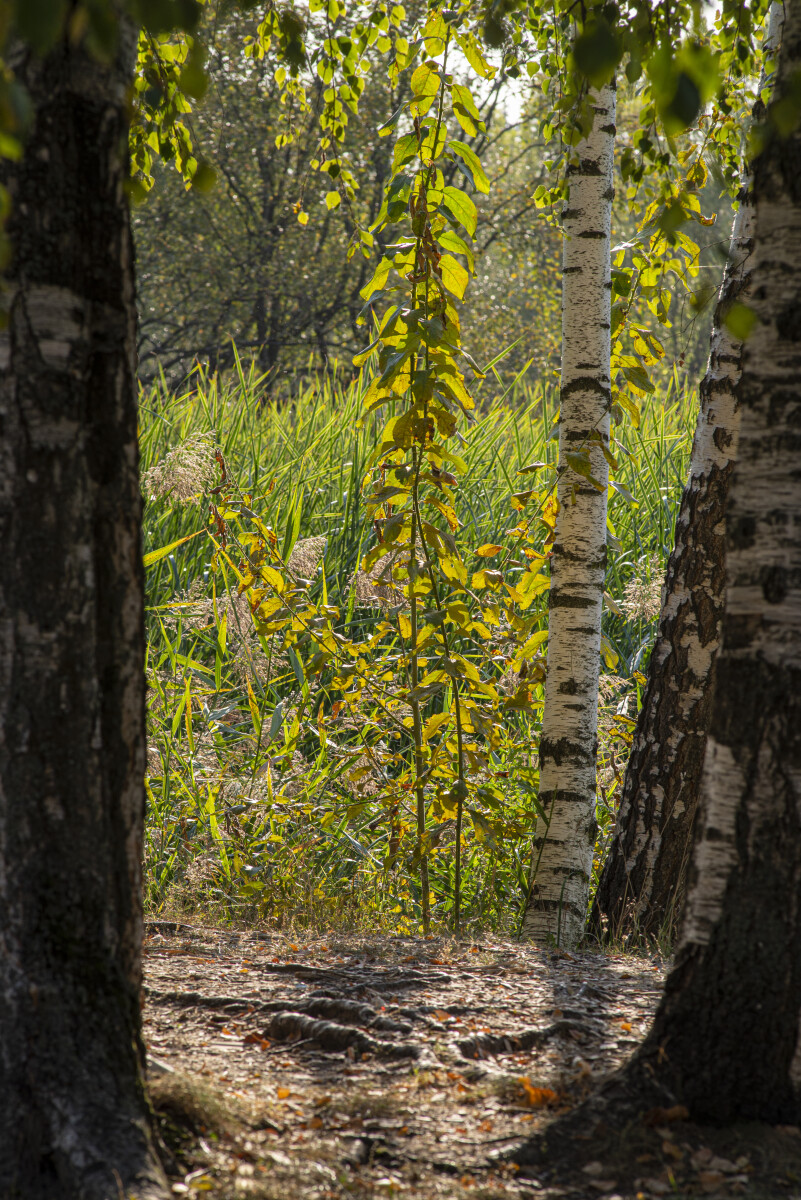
[74, 1120]
[726, 1036]
[643, 883]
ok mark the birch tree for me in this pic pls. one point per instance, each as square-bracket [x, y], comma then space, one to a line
[643, 882]
[565, 833]
[73, 1116]
[741, 935]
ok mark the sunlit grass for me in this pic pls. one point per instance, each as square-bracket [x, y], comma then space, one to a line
[226, 829]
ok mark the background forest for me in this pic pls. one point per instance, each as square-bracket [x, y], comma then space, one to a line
[232, 266]
[285, 793]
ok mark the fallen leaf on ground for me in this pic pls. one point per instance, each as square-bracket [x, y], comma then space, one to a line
[657, 1187]
[659, 1116]
[255, 1039]
[537, 1097]
[710, 1181]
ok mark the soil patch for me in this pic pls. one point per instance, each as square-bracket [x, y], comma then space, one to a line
[420, 1068]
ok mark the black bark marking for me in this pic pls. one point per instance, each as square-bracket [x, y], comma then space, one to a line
[561, 599]
[562, 750]
[774, 584]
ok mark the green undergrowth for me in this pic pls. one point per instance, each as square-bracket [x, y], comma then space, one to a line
[277, 703]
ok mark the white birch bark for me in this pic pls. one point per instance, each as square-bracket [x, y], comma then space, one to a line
[644, 877]
[565, 836]
[725, 1038]
[763, 553]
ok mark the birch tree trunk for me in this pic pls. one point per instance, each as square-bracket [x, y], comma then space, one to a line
[642, 886]
[726, 1035]
[74, 1122]
[565, 836]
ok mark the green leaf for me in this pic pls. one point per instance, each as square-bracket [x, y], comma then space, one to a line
[204, 177]
[378, 280]
[386, 129]
[155, 556]
[457, 205]
[638, 378]
[405, 150]
[624, 492]
[39, 23]
[473, 163]
[621, 281]
[596, 52]
[421, 694]
[297, 667]
[484, 830]
[276, 720]
[332, 200]
[450, 240]
[740, 320]
[425, 84]
[682, 83]
[465, 110]
[471, 48]
[219, 654]
[580, 463]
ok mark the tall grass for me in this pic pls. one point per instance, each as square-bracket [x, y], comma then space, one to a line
[241, 824]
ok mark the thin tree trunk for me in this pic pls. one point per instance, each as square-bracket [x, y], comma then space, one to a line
[565, 836]
[74, 1121]
[726, 1036]
[642, 886]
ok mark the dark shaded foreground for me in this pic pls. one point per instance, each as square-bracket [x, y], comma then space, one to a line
[365, 1067]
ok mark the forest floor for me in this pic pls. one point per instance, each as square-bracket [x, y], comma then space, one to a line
[362, 1067]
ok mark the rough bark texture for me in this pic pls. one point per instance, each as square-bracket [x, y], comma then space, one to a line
[565, 837]
[74, 1120]
[642, 887]
[726, 1034]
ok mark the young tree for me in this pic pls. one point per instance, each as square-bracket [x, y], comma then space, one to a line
[644, 878]
[73, 1115]
[565, 834]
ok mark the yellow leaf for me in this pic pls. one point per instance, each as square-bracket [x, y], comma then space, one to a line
[274, 578]
[254, 708]
[303, 218]
[488, 550]
[531, 585]
[453, 569]
[332, 200]
[482, 579]
[454, 275]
